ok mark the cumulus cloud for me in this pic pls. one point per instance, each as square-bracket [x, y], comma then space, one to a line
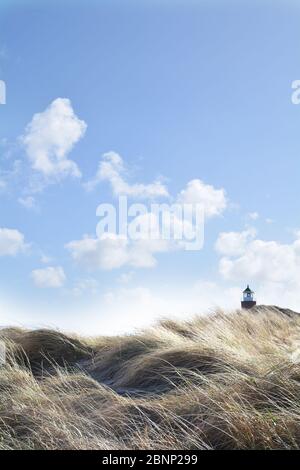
[272, 268]
[112, 251]
[107, 252]
[148, 235]
[166, 228]
[213, 201]
[52, 277]
[262, 261]
[234, 243]
[12, 242]
[112, 169]
[49, 138]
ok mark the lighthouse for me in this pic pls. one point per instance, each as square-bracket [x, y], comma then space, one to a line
[248, 298]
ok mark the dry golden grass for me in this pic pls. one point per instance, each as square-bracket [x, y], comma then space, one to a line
[217, 382]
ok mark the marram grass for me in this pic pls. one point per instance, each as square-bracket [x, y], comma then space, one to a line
[222, 381]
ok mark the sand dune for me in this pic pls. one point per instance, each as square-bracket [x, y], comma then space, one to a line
[222, 381]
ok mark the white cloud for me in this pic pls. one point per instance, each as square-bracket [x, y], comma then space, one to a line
[172, 231]
[107, 252]
[270, 267]
[9, 177]
[28, 202]
[123, 305]
[234, 243]
[111, 251]
[213, 201]
[258, 260]
[49, 138]
[83, 286]
[11, 242]
[209, 295]
[45, 259]
[253, 215]
[126, 278]
[112, 169]
[52, 277]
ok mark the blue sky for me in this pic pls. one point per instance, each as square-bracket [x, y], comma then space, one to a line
[181, 92]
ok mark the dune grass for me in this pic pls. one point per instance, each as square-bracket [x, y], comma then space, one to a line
[222, 381]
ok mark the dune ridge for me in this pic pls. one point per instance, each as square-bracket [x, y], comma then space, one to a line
[219, 381]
